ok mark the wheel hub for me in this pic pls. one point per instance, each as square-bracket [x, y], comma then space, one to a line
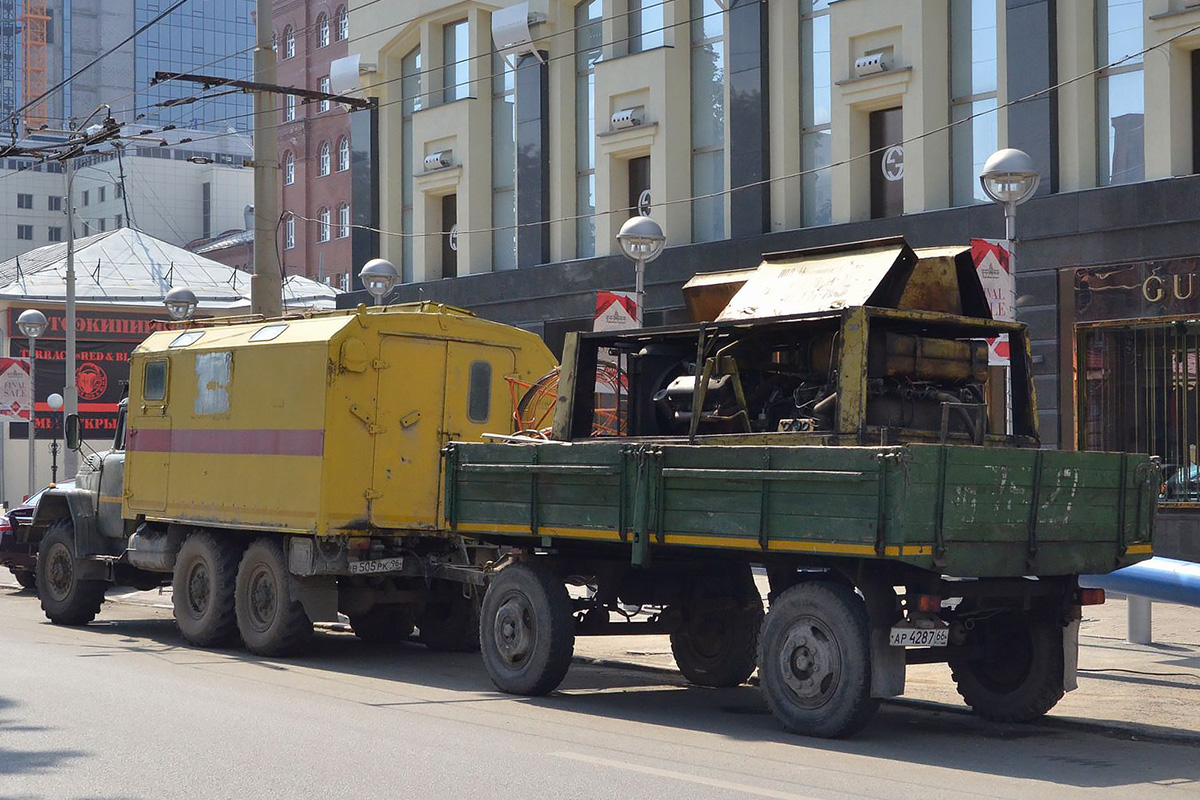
[516, 634]
[199, 589]
[810, 662]
[263, 598]
[60, 572]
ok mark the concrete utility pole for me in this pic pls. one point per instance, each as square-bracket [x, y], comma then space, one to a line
[70, 392]
[266, 286]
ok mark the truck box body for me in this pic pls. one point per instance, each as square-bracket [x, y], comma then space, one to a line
[315, 425]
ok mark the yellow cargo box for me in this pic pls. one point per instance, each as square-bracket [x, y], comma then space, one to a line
[322, 425]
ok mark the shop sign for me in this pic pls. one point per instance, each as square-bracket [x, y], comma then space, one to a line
[14, 388]
[1144, 289]
[994, 264]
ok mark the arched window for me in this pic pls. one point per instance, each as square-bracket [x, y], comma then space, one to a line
[325, 86]
[289, 232]
[323, 158]
[322, 31]
[343, 154]
[323, 225]
[289, 108]
[343, 220]
[343, 23]
[289, 168]
[289, 42]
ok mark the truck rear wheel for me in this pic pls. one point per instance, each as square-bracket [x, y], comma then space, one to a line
[1017, 673]
[450, 621]
[527, 632]
[65, 597]
[27, 578]
[270, 616]
[202, 589]
[815, 660]
[718, 647]
[384, 624]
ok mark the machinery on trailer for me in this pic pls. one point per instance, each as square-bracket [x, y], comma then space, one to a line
[278, 471]
[837, 425]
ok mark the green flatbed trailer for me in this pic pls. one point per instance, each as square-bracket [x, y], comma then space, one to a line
[855, 454]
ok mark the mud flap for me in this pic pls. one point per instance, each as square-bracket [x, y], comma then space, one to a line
[887, 665]
[1071, 656]
[319, 596]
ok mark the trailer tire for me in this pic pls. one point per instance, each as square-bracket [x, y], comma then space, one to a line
[527, 632]
[450, 624]
[270, 615]
[814, 663]
[27, 578]
[718, 648]
[66, 598]
[385, 623]
[202, 589]
[1019, 676]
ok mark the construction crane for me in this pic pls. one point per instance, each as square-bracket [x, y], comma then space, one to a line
[35, 20]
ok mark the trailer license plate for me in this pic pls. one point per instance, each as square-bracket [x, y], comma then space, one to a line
[919, 637]
[376, 565]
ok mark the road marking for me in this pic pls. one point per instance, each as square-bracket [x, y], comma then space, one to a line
[683, 776]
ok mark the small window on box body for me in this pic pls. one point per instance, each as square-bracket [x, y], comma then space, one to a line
[268, 332]
[479, 392]
[154, 384]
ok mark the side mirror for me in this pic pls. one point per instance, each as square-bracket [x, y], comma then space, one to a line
[72, 431]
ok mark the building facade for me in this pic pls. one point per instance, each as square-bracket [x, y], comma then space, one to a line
[314, 142]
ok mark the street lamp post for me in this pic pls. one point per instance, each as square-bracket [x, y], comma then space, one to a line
[642, 240]
[379, 276]
[55, 401]
[33, 324]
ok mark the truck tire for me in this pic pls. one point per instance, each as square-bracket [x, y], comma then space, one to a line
[527, 632]
[384, 624]
[66, 598]
[270, 616]
[1017, 676]
[450, 623]
[814, 662]
[27, 578]
[718, 647]
[202, 589]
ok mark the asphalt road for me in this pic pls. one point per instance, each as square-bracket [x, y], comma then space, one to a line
[122, 709]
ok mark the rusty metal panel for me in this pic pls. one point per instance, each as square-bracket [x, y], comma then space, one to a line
[927, 359]
[707, 294]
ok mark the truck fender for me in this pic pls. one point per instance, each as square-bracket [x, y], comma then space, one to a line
[77, 504]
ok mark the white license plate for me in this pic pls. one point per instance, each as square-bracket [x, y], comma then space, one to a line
[376, 565]
[919, 637]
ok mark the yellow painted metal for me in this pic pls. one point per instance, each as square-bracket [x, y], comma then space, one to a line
[325, 424]
[852, 388]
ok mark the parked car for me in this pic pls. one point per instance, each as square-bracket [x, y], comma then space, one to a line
[18, 556]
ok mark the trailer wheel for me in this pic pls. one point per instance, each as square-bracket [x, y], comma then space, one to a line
[202, 588]
[527, 633]
[718, 647]
[384, 624]
[270, 616]
[27, 578]
[1017, 674]
[66, 598]
[815, 660]
[450, 622]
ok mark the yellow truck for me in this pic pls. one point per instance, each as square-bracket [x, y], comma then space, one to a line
[276, 472]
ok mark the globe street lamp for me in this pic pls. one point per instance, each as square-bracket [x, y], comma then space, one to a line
[379, 276]
[1009, 177]
[33, 324]
[642, 240]
[180, 303]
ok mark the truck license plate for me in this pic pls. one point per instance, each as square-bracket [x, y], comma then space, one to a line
[919, 637]
[376, 565]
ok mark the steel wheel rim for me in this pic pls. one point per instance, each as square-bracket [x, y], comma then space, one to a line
[515, 630]
[199, 590]
[810, 662]
[264, 598]
[60, 571]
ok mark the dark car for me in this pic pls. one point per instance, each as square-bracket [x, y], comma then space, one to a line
[20, 557]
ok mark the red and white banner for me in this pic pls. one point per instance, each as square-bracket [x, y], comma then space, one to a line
[995, 265]
[14, 388]
[615, 311]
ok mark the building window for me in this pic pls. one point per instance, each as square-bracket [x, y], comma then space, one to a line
[708, 120]
[119, 190]
[103, 224]
[54, 203]
[322, 31]
[1120, 92]
[289, 42]
[85, 196]
[118, 220]
[289, 108]
[646, 24]
[973, 73]
[504, 165]
[206, 209]
[456, 64]
[323, 234]
[289, 232]
[289, 168]
[54, 234]
[885, 137]
[588, 44]
[343, 24]
[343, 154]
[100, 192]
[323, 159]
[25, 201]
[411, 102]
[87, 228]
[343, 221]
[275, 42]
[324, 86]
[25, 232]
[816, 135]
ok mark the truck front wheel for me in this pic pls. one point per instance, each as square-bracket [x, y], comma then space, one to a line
[202, 589]
[270, 616]
[66, 598]
[1016, 672]
[526, 630]
[815, 660]
[718, 647]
